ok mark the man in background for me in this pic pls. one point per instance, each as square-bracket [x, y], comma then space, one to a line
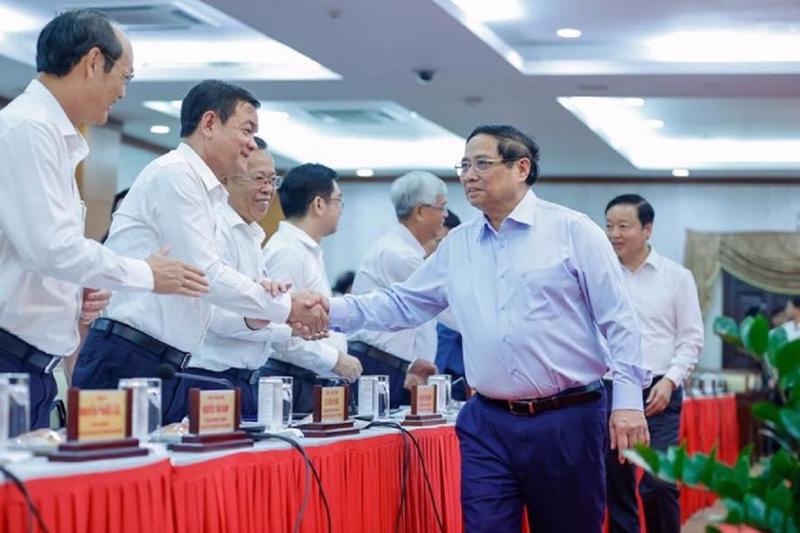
[665, 297]
[420, 203]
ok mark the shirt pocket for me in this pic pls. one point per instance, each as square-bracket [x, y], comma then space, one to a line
[541, 290]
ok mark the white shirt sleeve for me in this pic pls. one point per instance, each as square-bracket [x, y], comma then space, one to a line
[39, 217]
[189, 232]
[690, 335]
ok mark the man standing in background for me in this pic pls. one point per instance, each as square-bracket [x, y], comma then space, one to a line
[665, 297]
[420, 203]
[49, 272]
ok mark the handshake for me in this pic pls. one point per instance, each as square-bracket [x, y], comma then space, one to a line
[308, 317]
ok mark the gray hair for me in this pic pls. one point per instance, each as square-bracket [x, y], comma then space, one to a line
[415, 187]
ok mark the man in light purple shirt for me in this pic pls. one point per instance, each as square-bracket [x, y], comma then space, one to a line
[538, 295]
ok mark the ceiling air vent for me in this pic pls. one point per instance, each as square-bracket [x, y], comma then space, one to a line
[152, 17]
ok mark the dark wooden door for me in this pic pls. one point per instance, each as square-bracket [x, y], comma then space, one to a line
[739, 298]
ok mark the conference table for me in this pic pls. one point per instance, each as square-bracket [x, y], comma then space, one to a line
[260, 489]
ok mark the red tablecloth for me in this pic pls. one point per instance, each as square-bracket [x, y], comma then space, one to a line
[261, 491]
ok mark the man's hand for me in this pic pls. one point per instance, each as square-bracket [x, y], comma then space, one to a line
[304, 332]
[276, 288]
[418, 373]
[174, 277]
[659, 397]
[94, 301]
[309, 310]
[348, 367]
[626, 428]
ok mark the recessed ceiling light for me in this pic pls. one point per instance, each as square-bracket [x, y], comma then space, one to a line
[159, 129]
[569, 33]
[365, 172]
[655, 123]
[680, 173]
[15, 21]
[495, 11]
[725, 46]
[634, 102]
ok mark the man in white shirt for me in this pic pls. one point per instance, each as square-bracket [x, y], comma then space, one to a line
[312, 204]
[51, 276]
[665, 297]
[231, 350]
[172, 203]
[792, 324]
[420, 203]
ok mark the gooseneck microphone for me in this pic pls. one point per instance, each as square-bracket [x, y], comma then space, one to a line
[166, 371]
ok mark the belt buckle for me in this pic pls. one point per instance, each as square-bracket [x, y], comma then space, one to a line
[50, 366]
[253, 377]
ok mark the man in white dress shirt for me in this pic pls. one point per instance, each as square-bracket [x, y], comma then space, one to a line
[231, 350]
[665, 297]
[312, 204]
[172, 203]
[792, 324]
[51, 276]
[420, 203]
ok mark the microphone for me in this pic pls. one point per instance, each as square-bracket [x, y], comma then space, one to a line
[166, 371]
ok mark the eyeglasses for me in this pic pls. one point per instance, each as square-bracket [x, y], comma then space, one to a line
[276, 180]
[340, 200]
[440, 208]
[127, 76]
[480, 165]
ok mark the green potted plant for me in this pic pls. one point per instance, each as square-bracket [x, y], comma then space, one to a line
[766, 498]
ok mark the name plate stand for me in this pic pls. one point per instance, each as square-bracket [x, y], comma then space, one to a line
[214, 418]
[98, 427]
[423, 407]
[330, 414]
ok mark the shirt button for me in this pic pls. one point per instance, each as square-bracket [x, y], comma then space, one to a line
[503, 275]
[503, 307]
[505, 338]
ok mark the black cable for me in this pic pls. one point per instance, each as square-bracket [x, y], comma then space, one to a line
[310, 469]
[406, 468]
[33, 510]
[404, 432]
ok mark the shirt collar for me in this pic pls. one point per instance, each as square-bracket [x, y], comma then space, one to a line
[409, 239]
[201, 168]
[523, 213]
[299, 234]
[234, 219]
[42, 95]
[653, 258]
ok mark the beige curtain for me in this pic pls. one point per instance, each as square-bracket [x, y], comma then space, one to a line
[767, 260]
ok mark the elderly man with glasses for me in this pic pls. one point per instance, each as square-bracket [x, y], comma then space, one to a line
[538, 296]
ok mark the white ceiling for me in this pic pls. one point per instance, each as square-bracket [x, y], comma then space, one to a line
[515, 71]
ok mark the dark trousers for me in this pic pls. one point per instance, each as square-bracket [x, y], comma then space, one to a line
[105, 359]
[551, 462]
[179, 407]
[659, 498]
[42, 388]
[398, 395]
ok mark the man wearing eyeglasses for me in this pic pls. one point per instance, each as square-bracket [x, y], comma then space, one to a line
[51, 276]
[234, 347]
[312, 203]
[539, 298]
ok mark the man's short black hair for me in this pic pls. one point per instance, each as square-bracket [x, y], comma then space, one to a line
[452, 220]
[68, 37]
[512, 144]
[261, 143]
[644, 210]
[302, 184]
[212, 95]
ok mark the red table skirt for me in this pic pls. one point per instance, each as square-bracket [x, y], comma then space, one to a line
[262, 491]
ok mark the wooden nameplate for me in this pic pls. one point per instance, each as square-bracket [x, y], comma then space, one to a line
[423, 407]
[98, 427]
[214, 418]
[330, 414]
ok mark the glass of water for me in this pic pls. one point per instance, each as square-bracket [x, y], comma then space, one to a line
[15, 405]
[444, 386]
[287, 397]
[382, 396]
[146, 406]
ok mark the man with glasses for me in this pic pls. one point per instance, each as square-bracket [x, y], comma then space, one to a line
[420, 203]
[312, 204]
[234, 347]
[51, 276]
[539, 298]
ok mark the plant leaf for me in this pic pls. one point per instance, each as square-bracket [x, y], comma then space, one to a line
[755, 335]
[725, 327]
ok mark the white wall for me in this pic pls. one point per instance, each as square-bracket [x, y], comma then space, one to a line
[132, 160]
[368, 213]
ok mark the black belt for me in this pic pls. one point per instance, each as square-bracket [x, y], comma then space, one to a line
[144, 341]
[282, 368]
[362, 348]
[586, 393]
[27, 353]
[242, 374]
